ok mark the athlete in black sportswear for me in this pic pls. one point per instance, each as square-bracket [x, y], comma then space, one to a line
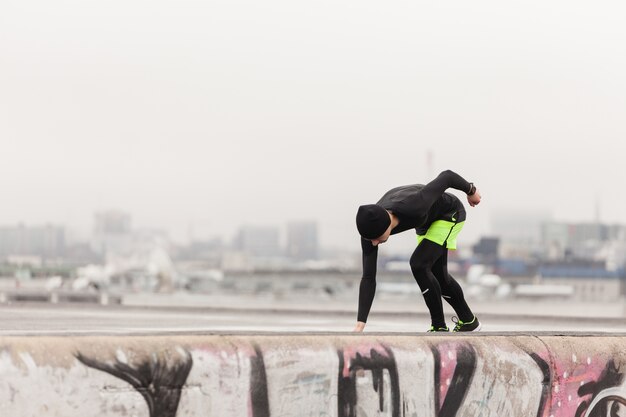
[437, 217]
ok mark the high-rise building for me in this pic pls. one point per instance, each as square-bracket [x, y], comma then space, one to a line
[302, 240]
[574, 238]
[44, 241]
[112, 232]
[260, 241]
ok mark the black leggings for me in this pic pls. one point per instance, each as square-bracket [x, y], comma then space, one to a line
[429, 264]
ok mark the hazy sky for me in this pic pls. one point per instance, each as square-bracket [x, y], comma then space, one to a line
[203, 115]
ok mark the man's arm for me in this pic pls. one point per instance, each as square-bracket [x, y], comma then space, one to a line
[447, 179]
[367, 288]
[427, 196]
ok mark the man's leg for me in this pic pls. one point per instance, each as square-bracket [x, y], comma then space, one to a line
[450, 289]
[422, 261]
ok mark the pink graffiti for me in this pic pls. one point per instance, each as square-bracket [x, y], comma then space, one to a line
[568, 373]
[447, 364]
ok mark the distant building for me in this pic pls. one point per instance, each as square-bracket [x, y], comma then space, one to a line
[210, 249]
[581, 240]
[259, 241]
[42, 241]
[519, 227]
[302, 240]
[112, 232]
[486, 250]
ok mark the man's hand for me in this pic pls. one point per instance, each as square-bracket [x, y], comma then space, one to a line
[474, 199]
[359, 327]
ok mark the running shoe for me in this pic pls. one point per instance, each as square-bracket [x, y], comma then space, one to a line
[438, 329]
[466, 326]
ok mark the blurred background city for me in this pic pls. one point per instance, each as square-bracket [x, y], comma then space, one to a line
[215, 153]
[536, 259]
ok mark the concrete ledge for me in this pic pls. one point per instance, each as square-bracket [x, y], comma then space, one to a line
[303, 374]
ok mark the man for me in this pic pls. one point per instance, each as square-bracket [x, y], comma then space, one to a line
[437, 217]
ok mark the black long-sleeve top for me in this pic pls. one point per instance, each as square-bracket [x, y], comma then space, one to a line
[416, 207]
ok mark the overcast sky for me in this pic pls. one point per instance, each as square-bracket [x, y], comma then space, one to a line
[204, 115]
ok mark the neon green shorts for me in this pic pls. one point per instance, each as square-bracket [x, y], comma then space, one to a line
[442, 232]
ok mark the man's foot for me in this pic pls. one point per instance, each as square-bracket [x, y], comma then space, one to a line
[438, 329]
[466, 326]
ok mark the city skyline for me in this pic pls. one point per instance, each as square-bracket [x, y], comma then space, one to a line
[482, 221]
[525, 229]
[545, 246]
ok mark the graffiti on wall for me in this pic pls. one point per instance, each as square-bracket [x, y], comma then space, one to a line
[159, 378]
[607, 394]
[454, 379]
[373, 379]
[378, 366]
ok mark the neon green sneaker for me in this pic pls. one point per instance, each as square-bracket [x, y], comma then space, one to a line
[438, 329]
[463, 326]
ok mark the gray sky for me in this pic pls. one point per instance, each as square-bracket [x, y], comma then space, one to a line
[210, 114]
